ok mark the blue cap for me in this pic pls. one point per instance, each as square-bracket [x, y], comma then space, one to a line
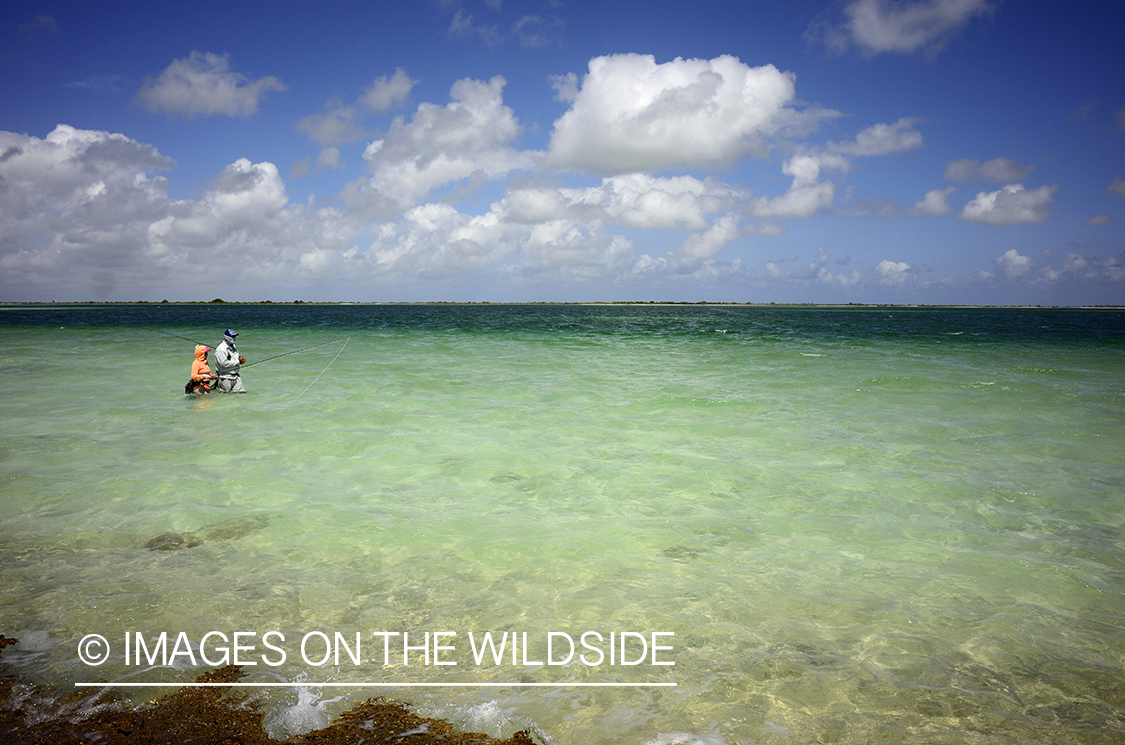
[230, 332]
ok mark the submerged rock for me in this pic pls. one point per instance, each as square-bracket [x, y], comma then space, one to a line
[226, 530]
[171, 542]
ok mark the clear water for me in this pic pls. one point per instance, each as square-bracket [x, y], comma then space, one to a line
[862, 525]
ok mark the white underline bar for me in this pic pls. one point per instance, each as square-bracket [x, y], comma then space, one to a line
[376, 685]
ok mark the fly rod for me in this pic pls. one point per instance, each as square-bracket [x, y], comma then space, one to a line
[256, 362]
[285, 354]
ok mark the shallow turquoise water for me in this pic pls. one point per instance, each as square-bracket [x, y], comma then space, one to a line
[861, 525]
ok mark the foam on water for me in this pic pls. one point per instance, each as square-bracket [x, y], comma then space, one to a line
[309, 712]
[860, 525]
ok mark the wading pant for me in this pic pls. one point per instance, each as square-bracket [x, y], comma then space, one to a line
[231, 384]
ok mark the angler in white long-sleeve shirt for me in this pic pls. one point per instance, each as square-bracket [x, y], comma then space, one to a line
[227, 363]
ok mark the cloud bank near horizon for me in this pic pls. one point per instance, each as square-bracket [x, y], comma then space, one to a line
[643, 149]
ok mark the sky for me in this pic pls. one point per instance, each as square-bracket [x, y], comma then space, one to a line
[867, 151]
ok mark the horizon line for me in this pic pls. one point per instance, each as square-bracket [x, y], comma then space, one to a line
[747, 303]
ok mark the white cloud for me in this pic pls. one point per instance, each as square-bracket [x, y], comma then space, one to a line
[536, 31]
[242, 202]
[440, 145]
[705, 245]
[1011, 205]
[462, 26]
[997, 170]
[329, 158]
[203, 84]
[806, 195]
[893, 273]
[334, 127]
[815, 272]
[436, 238]
[637, 201]
[340, 124]
[1097, 220]
[1085, 269]
[75, 204]
[84, 215]
[1117, 187]
[387, 92]
[632, 114]
[936, 202]
[565, 86]
[883, 139]
[886, 26]
[1013, 264]
[819, 270]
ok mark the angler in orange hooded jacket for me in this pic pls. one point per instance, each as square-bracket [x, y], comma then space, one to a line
[201, 376]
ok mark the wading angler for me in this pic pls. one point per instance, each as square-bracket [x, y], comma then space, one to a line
[228, 362]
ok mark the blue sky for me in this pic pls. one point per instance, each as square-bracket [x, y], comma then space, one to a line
[942, 151]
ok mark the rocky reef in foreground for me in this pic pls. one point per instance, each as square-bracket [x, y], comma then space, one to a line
[205, 715]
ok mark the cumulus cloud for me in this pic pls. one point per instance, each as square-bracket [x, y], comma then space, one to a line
[244, 197]
[244, 229]
[638, 201]
[203, 83]
[565, 87]
[997, 170]
[893, 273]
[1013, 264]
[386, 92]
[805, 196]
[632, 114]
[340, 124]
[882, 139]
[440, 145]
[819, 270]
[436, 238]
[1076, 268]
[936, 202]
[815, 272]
[74, 184]
[1099, 220]
[886, 26]
[705, 245]
[76, 208]
[1011, 205]
[84, 213]
[1117, 187]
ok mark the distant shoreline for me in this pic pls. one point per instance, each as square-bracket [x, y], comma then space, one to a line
[607, 303]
